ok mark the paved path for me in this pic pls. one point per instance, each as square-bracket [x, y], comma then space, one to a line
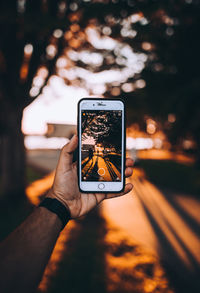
[166, 223]
[103, 166]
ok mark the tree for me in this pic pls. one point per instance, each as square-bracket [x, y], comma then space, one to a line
[172, 73]
[34, 34]
[22, 45]
[26, 30]
[104, 128]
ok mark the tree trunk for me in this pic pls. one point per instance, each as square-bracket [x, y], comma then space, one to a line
[12, 160]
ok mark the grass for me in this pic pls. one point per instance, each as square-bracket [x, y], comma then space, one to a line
[172, 175]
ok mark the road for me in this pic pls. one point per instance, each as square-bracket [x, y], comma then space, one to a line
[99, 168]
[166, 223]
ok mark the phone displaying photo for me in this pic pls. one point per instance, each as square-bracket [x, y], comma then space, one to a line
[101, 145]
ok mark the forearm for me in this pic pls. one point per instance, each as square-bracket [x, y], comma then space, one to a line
[25, 253]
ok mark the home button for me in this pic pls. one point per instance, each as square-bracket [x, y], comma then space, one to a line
[101, 186]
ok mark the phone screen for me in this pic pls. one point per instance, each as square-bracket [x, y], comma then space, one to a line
[101, 145]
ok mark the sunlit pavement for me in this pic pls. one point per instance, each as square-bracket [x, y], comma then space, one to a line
[159, 154]
[107, 171]
[97, 252]
[167, 224]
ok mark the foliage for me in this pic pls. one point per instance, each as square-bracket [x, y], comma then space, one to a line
[162, 35]
[173, 175]
[104, 128]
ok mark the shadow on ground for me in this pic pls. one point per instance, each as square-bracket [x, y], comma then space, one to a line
[96, 258]
[177, 232]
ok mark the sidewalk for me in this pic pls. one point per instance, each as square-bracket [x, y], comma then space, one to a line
[165, 224]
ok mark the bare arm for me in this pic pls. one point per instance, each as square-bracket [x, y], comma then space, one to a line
[25, 253]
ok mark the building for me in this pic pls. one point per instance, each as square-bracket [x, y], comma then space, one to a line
[60, 130]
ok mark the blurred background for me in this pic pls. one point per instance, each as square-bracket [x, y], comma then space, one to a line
[53, 53]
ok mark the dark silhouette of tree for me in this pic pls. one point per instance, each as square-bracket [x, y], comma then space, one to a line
[172, 73]
[33, 35]
[105, 128]
[26, 30]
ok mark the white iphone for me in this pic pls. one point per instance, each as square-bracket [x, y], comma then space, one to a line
[101, 153]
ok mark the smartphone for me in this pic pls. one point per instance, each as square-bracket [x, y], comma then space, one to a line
[101, 151]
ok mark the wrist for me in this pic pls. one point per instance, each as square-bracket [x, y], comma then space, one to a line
[52, 194]
[73, 205]
[57, 207]
[50, 219]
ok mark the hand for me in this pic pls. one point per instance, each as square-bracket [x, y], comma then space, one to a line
[65, 187]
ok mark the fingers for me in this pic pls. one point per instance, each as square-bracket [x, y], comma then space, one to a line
[128, 172]
[71, 145]
[129, 162]
[129, 167]
[127, 189]
[66, 157]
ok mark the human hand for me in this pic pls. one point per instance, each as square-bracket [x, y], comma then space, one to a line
[65, 187]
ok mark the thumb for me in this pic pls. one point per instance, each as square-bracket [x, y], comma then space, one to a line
[66, 156]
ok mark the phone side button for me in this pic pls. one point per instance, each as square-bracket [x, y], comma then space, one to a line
[101, 186]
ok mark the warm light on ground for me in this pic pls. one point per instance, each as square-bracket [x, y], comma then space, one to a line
[124, 256]
[38, 188]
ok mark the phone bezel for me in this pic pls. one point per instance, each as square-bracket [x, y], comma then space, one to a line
[92, 186]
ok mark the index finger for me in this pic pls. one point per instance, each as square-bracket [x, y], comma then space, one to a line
[129, 162]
